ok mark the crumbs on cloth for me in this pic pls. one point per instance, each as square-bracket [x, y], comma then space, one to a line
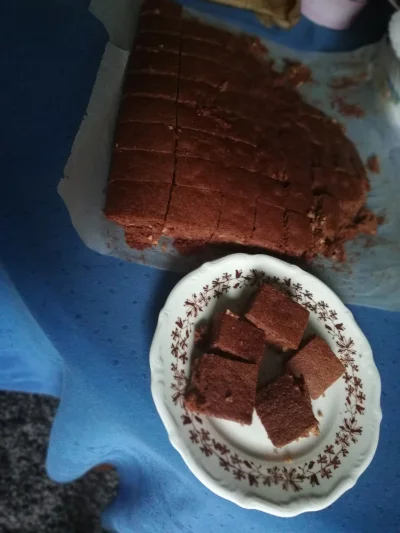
[373, 164]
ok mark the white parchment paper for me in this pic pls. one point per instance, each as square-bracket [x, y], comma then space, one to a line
[371, 276]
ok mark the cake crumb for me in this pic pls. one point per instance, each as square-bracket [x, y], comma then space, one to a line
[297, 73]
[201, 335]
[288, 459]
[320, 413]
[346, 109]
[345, 82]
[373, 164]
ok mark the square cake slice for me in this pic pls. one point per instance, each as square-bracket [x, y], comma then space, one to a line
[192, 143]
[215, 122]
[269, 229]
[241, 182]
[222, 388]
[147, 109]
[150, 62]
[200, 173]
[282, 320]
[272, 192]
[196, 93]
[131, 203]
[328, 215]
[318, 365]
[200, 70]
[193, 213]
[207, 51]
[284, 408]
[237, 337]
[143, 136]
[299, 198]
[299, 237]
[236, 220]
[140, 165]
[154, 85]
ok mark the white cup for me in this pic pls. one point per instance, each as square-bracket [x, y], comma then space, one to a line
[388, 71]
[394, 33]
[334, 14]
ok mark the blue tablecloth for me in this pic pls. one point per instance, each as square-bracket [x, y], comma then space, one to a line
[78, 325]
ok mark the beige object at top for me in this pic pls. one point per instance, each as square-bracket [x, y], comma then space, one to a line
[282, 13]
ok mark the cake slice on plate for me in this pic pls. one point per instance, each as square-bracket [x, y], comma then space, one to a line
[318, 365]
[237, 337]
[282, 320]
[222, 388]
[284, 407]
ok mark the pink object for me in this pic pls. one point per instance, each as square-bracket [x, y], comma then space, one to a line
[334, 14]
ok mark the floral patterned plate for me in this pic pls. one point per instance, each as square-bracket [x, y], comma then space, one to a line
[239, 462]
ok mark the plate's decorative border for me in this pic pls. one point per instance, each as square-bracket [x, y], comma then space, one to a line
[288, 478]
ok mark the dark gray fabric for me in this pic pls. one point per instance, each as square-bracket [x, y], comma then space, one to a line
[29, 501]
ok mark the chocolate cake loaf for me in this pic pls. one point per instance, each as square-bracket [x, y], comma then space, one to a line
[212, 145]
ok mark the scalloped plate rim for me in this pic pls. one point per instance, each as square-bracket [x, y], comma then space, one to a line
[298, 503]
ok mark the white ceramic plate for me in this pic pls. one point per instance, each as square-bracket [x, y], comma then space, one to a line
[239, 462]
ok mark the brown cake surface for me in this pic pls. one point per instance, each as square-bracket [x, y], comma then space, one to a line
[141, 165]
[241, 182]
[318, 365]
[200, 173]
[147, 109]
[237, 337]
[282, 320]
[142, 236]
[145, 136]
[192, 213]
[235, 127]
[299, 234]
[153, 85]
[158, 42]
[299, 199]
[131, 203]
[269, 228]
[154, 62]
[236, 220]
[222, 388]
[284, 408]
